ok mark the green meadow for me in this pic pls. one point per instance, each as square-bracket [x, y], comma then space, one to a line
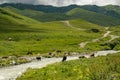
[24, 28]
[43, 37]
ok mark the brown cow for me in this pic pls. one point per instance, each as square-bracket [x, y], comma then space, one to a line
[92, 55]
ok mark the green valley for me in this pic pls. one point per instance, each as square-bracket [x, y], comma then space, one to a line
[28, 32]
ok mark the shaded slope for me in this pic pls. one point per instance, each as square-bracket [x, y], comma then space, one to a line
[113, 8]
[102, 10]
[39, 15]
[93, 17]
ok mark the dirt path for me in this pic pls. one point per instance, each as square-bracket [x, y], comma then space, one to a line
[83, 44]
[11, 73]
[113, 37]
[67, 23]
[106, 34]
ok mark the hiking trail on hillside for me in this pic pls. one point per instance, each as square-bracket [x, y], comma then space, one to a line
[83, 44]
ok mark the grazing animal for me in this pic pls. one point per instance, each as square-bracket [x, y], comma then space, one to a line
[81, 56]
[64, 57]
[50, 53]
[92, 55]
[58, 51]
[5, 57]
[38, 58]
[69, 53]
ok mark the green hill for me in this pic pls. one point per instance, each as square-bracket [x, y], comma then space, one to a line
[104, 16]
[12, 21]
[102, 10]
[46, 37]
[93, 17]
[39, 15]
[113, 8]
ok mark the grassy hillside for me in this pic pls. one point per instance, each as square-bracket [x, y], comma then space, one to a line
[10, 21]
[79, 23]
[99, 68]
[30, 35]
[39, 15]
[46, 37]
[93, 17]
[105, 16]
[113, 8]
[103, 10]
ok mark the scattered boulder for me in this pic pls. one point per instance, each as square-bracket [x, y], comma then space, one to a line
[10, 39]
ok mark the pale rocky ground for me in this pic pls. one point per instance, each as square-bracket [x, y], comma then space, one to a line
[12, 72]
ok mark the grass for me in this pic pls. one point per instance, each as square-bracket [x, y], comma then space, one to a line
[93, 17]
[30, 35]
[46, 40]
[46, 37]
[105, 68]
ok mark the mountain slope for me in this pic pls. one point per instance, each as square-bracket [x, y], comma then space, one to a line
[43, 8]
[12, 21]
[102, 10]
[39, 15]
[93, 17]
[113, 8]
[92, 13]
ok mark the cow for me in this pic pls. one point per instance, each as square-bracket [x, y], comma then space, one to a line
[92, 55]
[58, 51]
[39, 58]
[82, 56]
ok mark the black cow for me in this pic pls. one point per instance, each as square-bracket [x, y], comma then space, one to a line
[64, 57]
[38, 58]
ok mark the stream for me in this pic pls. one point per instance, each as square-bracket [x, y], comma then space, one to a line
[12, 72]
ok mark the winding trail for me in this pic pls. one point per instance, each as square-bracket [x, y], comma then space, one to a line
[83, 44]
[106, 34]
[113, 37]
[12, 72]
